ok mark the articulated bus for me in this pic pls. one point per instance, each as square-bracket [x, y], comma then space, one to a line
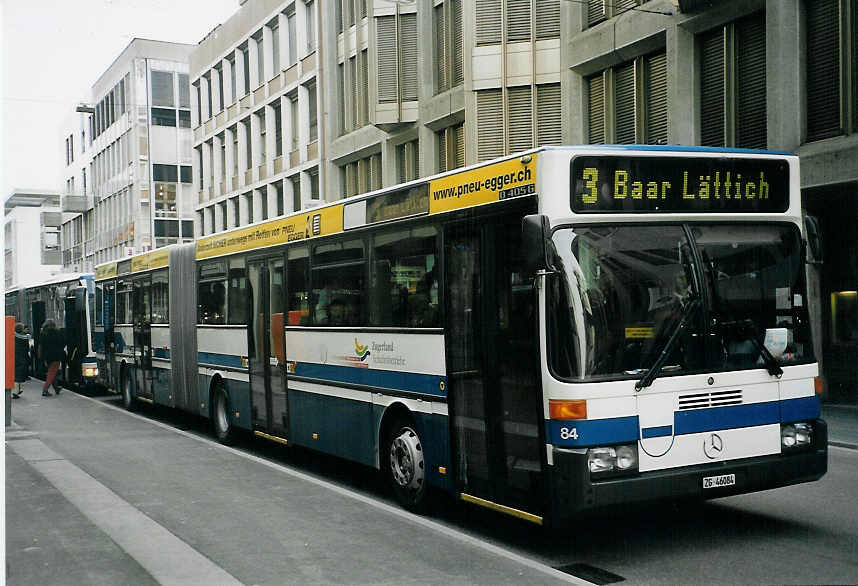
[69, 300]
[563, 331]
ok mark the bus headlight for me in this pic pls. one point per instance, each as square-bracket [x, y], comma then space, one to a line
[796, 435]
[604, 460]
[90, 371]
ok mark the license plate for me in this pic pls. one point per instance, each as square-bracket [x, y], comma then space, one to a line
[719, 481]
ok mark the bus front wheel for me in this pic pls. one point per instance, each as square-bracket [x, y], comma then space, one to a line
[406, 465]
[220, 414]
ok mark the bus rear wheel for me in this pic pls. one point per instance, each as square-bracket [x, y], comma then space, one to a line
[127, 395]
[405, 463]
[223, 428]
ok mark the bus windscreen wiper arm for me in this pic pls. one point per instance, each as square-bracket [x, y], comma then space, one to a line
[653, 370]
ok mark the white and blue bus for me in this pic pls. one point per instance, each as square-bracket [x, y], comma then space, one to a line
[562, 331]
[69, 300]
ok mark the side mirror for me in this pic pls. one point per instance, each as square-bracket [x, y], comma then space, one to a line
[536, 240]
[813, 240]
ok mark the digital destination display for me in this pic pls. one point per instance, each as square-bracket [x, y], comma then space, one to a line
[619, 184]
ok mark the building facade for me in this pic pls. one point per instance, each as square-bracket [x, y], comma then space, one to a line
[31, 217]
[128, 158]
[300, 101]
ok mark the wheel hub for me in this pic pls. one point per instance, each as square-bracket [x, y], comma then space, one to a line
[406, 460]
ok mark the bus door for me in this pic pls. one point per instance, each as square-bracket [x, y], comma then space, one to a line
[37, 313]
[265, 346]
[492, 369]
[141, 316]
[75, 332]
[108, 319]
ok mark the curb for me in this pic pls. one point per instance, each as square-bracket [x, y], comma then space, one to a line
[847, 445]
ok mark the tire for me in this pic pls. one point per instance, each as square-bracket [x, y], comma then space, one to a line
[223, 428]
[128, 400]
[404, 461]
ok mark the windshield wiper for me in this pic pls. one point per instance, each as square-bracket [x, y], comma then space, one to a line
[748, 325]
[654, 370]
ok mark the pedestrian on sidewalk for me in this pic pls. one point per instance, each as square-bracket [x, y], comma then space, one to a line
[52, 351]
[22, 358]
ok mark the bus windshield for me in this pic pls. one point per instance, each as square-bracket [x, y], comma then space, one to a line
[619, 292]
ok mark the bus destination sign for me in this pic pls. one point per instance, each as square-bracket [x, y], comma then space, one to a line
[623, 184]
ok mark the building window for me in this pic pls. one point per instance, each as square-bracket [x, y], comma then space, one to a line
[260, 116]
[310, 11]
[165, 200]
[448, 45]
[296, 192]
[184, 118]
[186, 174]
[451, 148]
[733, 84]
[314, 183]
[232, 87]
[397, 77]
[599, 10]
[362, 175]
[163, 117]
[627, 103]
[260, 58]
[313, 112]
[293, 41]
[164, 173]
[275, 46]
[278, 128]
[293, 115]
[832, 68]
[162, 88]
[408, 160]
[278, 194]
[184, 92]
[245, 57]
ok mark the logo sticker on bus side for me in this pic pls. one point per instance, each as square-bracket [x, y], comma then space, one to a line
[504, 180]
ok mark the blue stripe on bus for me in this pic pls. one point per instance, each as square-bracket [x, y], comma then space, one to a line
[429, 384]
[161, 353]
[700, 420]
[593, 432]
[660, 431]
[800, 409]
[214, 358]
[617, 430]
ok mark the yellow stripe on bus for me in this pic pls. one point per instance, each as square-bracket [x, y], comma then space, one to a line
[488, 184]
[313, 223]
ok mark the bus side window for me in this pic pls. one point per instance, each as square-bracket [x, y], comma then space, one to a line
[297, 280]
[237, 292]
[404, 280]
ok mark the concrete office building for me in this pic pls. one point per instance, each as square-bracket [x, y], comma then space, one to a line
[393, 84]
[128, 158]
[31, 236]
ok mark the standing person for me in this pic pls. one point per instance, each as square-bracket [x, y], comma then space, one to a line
[52, 352]
[22, 357]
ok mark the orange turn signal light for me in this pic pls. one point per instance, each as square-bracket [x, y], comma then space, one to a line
[817, 385]
[567, 409]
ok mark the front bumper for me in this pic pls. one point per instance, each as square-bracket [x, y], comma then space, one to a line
[574, 494]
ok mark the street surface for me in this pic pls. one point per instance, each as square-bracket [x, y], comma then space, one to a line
[96, 495]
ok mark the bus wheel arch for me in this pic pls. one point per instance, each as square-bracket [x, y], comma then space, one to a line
[219, 410]
[402, 457]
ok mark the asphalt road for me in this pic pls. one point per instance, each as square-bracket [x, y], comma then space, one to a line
[151, 498]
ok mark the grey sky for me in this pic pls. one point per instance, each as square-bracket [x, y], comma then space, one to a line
[52, 53]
